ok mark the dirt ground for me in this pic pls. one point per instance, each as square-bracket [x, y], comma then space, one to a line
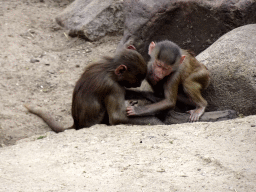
[40, 64]
[28, 34]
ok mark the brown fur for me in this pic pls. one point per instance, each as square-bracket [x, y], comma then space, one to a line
[194, 77]
[98, 96]
[191, 74]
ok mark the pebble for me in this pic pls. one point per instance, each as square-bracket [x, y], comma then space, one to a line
[33, 60]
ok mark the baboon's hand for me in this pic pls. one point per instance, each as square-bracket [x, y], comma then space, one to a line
[130, 111]
[196, 114]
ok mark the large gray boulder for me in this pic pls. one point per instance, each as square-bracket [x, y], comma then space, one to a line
[232, 63]
[92, 19]
[193, 24]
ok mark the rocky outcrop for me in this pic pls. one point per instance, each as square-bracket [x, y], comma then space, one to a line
[232, 63]
[92, 19]
[193, 24]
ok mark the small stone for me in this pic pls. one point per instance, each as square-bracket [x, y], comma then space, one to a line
[33, 60]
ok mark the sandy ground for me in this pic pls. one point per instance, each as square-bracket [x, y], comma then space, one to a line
[40, 65]
[29, 33]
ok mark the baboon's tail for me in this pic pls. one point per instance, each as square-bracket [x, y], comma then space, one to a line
[48, 119]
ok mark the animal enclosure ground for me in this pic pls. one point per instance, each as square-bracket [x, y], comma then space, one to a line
[40, 64]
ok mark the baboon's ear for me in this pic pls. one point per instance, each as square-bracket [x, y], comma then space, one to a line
[182, 58]
[120, 70]
[131, 47]
[151, 47]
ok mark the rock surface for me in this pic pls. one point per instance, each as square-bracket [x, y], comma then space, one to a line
[232, 63]
[192, 24]
[92, 19]
[187, 157]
